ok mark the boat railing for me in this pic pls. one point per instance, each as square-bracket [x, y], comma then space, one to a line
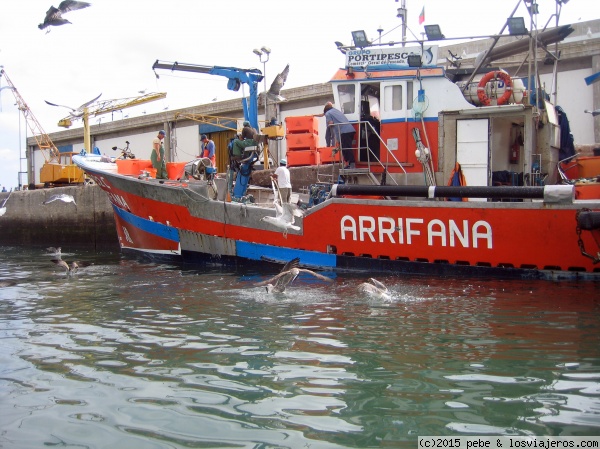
[365, 128]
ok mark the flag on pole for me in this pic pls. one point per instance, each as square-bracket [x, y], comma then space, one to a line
[422, 16]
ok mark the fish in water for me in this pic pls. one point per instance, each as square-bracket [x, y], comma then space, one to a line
[61, 197]
[288, 274]
[375, 289]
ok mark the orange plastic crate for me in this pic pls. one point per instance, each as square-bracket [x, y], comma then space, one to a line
[299, 158]
[327, 156]
[302, 124]
[302, 141]
[589, 167]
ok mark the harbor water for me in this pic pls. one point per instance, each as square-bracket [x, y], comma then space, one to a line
[125, 353]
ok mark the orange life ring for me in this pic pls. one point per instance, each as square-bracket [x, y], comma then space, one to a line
[483, 98]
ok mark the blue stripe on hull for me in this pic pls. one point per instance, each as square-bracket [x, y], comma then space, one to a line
[257, 251]
[158, 229]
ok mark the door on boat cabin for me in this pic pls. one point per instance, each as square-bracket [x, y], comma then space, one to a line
[473, 151]
[395, 112]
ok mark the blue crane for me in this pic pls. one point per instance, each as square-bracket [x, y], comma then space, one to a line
[236, 77]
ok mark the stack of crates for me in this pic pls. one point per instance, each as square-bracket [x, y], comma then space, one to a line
[302, 138]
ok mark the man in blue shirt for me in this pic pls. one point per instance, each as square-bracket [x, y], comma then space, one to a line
[342, 131]
[208, 149]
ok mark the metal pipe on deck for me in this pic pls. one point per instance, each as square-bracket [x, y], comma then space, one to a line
[550, 194]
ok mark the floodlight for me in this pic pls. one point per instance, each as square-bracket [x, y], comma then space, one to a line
[516, 26]
[414, 61]
[434, 33]
[360, 38]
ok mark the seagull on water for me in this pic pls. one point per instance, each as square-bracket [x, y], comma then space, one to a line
[277, 85]
[70, 267]
[62, 197]
[288, 274]
[284, 212]
[3, 207]
[75, 113]
[54, 251]
[54, 15]
[375, 289]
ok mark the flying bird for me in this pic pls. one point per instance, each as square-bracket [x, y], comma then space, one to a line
[62, 197]
[3, 207]
[375, 289]
[54, 15]
[288, 274]
[277, 85]
[594, 113]
[284, 213]
[75, 113]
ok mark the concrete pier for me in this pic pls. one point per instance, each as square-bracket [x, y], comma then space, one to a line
[91, 223]
[28, 221]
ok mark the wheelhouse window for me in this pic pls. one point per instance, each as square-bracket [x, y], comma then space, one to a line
[347, 96]
[393, 96]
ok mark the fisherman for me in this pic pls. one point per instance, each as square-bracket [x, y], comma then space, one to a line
[282, 177]
[158, 156]
[208, 149]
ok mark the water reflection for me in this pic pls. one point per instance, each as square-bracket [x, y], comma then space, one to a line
[131, 354]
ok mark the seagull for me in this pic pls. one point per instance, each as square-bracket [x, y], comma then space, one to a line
[7, 283]
[72, 268]
[3, 207]
[594, 113]
[54, 251]
[61, 197]
[277, 85]
[375, 289]
[76, 113]
[288, 274]
[54, 15]
[284, 213]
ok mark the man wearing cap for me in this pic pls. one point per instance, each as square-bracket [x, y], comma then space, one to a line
[282, 178]
[158, 156]
[208, 149]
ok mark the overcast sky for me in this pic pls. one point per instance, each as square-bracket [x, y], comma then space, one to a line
[110, 47]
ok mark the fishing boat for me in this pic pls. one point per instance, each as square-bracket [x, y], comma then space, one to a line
[456, 173]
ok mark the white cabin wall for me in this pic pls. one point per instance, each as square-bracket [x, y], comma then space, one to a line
[574, 96]
[187, 143]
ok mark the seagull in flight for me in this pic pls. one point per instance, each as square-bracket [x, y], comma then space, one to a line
[54, 15]
[375, 289]
[75, 113]
[62, 197]
[277, 85]
[288, 274]
[3, 207]
[594, 113]
[284, 212]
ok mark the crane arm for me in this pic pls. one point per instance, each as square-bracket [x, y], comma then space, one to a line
[45, 144]
[105, 107]
[236, 77]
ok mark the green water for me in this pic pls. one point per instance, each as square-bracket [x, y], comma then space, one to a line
[126, 354]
